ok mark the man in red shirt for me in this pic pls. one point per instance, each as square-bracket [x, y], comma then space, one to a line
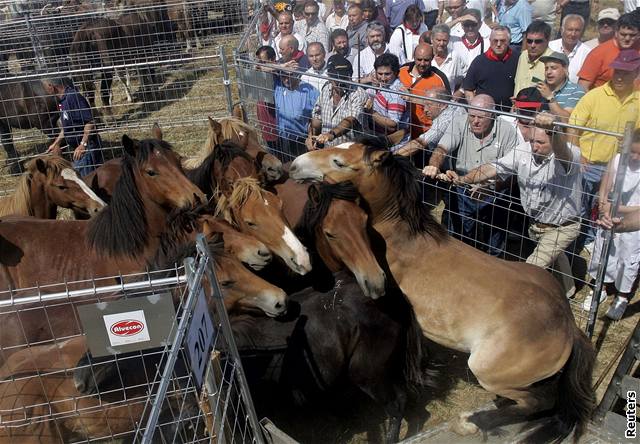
[595, 70]
[417, 77]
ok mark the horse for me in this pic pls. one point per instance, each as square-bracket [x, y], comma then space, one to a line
[333, 227]
[337, 336]
[50, 182]
[512, 318]
[25, 105]
[242, 134]
[258, 212]
[41, 404]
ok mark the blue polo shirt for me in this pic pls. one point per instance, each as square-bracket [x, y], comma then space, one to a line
[517, 18]
[569, 95]
[395, 9]
[293, 109]
[75, 112]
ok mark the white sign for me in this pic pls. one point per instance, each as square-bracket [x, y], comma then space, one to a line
[126, 328]
[199, 338]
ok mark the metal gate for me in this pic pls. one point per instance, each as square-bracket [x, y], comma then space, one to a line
[189, 387]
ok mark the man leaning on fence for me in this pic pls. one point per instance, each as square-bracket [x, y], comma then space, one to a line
[339, 108]
[548, 170]
[473, 140]
[78, 127]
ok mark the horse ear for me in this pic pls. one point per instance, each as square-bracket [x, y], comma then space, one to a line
[379, 157]
[130, 145]
[238, 112]
[314, 194]
[40, 166]
[156, 132]
[215, 126]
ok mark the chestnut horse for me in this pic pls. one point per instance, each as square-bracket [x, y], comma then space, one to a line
[246, 137]
[258, 212]
[50, 182]
[512, 318]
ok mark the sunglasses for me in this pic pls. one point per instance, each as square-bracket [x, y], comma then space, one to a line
[309, 14]
[536, 41]
[607, 23]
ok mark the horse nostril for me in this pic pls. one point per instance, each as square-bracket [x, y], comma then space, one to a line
[278, 305]
[264, 253]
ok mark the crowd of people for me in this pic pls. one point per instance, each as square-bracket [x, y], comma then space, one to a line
[438, 83]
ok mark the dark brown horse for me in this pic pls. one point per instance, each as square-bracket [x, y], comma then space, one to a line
[25, 105]
[512, 318]
[50, 182]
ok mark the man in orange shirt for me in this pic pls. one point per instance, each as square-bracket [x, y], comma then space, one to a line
[595, 70]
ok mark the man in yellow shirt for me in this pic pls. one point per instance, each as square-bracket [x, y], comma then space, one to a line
[530, 69]
[608, 107]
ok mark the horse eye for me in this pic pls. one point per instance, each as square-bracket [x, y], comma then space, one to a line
[338, 163]
[329, 235]
[226, 284]
[250, 224]
[62, 187]
[151, 173]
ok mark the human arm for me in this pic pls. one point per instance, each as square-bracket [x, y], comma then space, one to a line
[440, 11]
[315, 127]
[435, 162]
[559, 142]
[479, 174]
[585, 84]
[339, 130]
[554, 106]
[411, 147]
[54, 148]
[80, 149]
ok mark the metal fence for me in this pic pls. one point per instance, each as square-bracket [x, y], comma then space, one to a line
[135, 61]
[84, 376]
[262, 94]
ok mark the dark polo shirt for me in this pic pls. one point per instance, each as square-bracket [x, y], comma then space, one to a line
[493, 77]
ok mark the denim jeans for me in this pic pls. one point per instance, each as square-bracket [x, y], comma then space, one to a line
[479, 223]
[591, 178]
[90, 160]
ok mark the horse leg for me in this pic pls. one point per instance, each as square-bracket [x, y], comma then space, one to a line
[127, 85]
[12, 154]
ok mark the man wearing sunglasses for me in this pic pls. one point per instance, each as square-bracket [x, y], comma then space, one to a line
[607, 19]
[530, 69]
[314, 30]
[596, 70]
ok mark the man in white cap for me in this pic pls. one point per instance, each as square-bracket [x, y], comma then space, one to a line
[569, 44]
[607, 19]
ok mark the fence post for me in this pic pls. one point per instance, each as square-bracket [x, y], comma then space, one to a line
[614, 199]
[35, 42]
[225, 80]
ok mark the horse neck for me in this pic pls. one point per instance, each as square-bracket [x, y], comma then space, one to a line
[156, 217]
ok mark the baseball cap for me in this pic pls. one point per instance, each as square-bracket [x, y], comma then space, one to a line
[627, 60]
[556, 56]
[609, 13]
[530, 99]
[339, 67]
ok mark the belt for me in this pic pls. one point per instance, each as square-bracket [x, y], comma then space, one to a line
[563, 224]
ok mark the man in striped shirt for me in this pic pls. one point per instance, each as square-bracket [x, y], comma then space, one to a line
[562, 94]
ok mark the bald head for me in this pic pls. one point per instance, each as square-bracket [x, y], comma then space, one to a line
[481, 122]
[422, 56]
[423, 50]
[288, 46]
[483, 101]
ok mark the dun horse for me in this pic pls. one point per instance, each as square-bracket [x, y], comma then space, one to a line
[50, 182]
[512, 318]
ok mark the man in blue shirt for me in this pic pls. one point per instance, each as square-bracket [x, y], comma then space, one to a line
[294, 101]
[515, 15]
[78, 128]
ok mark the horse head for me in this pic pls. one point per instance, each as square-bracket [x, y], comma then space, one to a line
[258, 212]
[62, 185]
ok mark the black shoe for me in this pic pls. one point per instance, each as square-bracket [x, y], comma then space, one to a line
[617, 308]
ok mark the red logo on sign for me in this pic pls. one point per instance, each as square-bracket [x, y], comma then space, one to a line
[128, 327]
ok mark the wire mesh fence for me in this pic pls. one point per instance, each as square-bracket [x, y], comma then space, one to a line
[134, 62]
[507, 215]
[131, 364]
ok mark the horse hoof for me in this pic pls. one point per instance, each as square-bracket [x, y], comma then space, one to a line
[463, 427]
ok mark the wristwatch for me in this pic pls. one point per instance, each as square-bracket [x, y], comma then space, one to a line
[84, 144]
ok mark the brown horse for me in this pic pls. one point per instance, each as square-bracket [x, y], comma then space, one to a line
[242, 134]
[258, 212]
[50, 182]
[512, 318]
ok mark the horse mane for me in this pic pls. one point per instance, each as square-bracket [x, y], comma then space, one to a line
[121, 229]
[224, 153]
[314, 212]
[177, 253]
[404, 197]
[20, 201]
[243, 189]
[230, 128]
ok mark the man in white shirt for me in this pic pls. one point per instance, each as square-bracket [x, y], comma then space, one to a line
[314, 29]
[570, 44]
[471, 44]
[285, 24]
[456, 10]
[316, 55]
[406, 36]
[447, 61]
[364, 60]
[549, 177]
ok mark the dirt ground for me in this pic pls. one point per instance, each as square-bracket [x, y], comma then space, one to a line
[194, 90]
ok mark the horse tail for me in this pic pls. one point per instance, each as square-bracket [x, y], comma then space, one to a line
[576, 396]
[416, 373]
